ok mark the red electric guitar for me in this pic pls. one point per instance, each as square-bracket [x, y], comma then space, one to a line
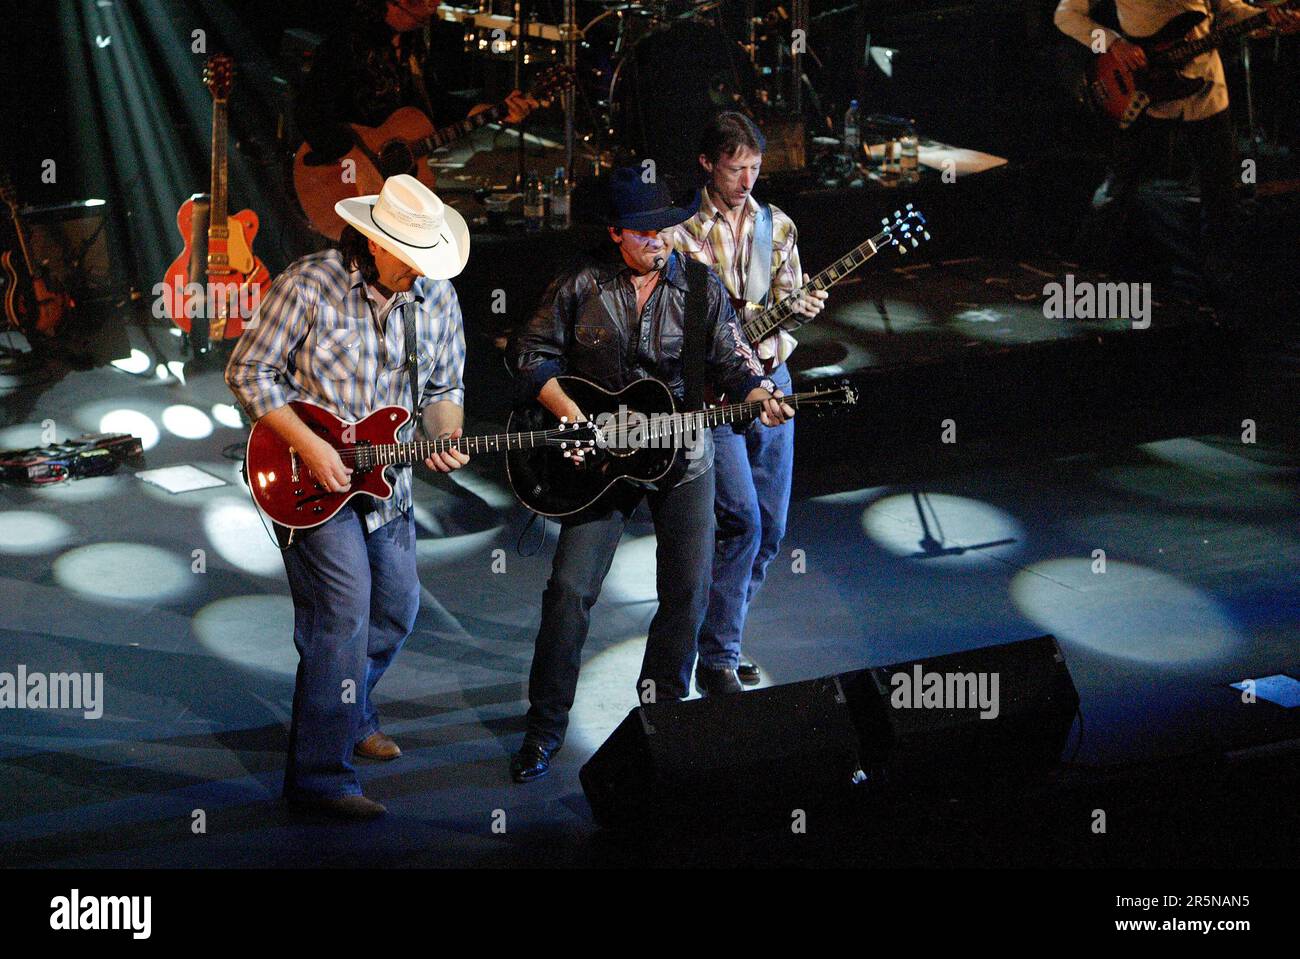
[288, 493]
[1123, 95]
[216, 277]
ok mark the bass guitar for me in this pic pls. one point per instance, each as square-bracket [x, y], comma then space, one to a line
[216, 277]
[634, 435]
[395, 146]
[904, 232]
[1122, 95]
[30, 305]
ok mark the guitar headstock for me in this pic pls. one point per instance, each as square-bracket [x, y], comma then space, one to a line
[906, 230]
[219, 75]
[550, 82]
[573, 436]
[7, 192]
[843, 395]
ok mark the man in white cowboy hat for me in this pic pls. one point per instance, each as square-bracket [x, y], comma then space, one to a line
[332, 330]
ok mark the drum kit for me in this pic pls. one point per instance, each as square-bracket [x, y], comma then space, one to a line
[650, 74]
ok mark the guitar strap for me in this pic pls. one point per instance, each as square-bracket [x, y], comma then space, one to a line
[758, 280]
[412, 369]
[696, 328]
[412, 353]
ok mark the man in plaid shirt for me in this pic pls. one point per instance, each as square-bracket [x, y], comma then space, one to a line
[332, 331]
[753, 465]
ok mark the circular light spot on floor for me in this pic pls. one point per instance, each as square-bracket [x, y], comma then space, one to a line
[250, 631]
[28, 533]
[22, 436]
[941, 529]
[607, 691]
[227, 415]
[1129, 611]
[133, 422]
[235, 530]
[125, 572]
[631, 577]
[138, 362]
[82, 490]
[187, 422]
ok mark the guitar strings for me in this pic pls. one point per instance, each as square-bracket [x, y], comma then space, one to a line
[493, 441]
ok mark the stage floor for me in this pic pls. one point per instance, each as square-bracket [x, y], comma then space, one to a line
[1199, 590]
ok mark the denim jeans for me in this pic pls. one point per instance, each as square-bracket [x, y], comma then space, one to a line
[683, 524]
[355, 599]
[753, 469]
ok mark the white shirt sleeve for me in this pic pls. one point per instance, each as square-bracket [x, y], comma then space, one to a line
[1074, 19]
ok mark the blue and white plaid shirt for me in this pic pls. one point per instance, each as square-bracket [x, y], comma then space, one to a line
[315, 338]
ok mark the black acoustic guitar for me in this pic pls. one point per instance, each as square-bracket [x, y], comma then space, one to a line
[635, 435]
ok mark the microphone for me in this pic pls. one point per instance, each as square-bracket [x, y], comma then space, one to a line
[659, 263]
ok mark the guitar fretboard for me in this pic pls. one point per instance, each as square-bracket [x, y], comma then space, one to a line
[1181, 53]
[217, 216]
[393, 454]
[443, 136]
[770, 320]
[658, 426]
[687, 423]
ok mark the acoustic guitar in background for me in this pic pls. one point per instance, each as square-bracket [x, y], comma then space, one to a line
[398, 145]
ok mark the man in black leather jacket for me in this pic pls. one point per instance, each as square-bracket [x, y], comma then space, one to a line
[614, 321]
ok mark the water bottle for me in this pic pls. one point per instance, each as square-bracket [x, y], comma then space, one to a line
[534, 203]
[909, 165]
[559, 215]
[852, 139]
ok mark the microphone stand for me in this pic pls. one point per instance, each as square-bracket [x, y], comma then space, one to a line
[519, 85]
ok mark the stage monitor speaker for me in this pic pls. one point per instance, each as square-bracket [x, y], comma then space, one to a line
[752, 757]
[964, 721]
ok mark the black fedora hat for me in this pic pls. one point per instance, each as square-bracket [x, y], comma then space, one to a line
[635, 204]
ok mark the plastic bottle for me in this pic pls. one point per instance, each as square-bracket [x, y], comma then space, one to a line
[559, 213]
[534, 203]
[852, 139]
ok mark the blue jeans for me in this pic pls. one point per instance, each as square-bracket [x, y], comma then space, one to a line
[355, 599]
[753, 496]
[684, 543]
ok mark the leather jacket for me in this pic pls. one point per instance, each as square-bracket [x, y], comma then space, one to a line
[587, 321]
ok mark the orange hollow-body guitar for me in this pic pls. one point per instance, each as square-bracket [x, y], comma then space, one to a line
[399, 145]
[218, 253]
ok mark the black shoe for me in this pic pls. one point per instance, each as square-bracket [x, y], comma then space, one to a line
[747, 672]
[716, 682]
[355, 808]
[533, 761]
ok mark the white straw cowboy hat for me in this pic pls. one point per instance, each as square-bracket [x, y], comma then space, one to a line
[408, 220]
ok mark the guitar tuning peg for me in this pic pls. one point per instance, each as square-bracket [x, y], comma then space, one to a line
[885, 220]
[898, 214]
[908, 207]
[915, 242]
